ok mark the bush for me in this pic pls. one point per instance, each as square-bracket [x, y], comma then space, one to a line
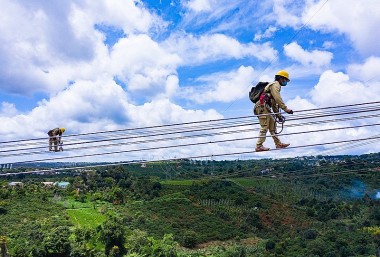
[310, 234]
[189, 239]
[270, 245]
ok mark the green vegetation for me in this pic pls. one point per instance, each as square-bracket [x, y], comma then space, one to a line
[288, 207]
[86, 217]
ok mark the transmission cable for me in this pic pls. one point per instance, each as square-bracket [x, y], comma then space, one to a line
[197, 122]
[183, 137]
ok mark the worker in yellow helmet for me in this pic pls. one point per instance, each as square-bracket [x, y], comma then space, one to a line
[270, 101]
[55, 138]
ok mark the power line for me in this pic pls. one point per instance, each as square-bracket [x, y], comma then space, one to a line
[208, 128]
[361, 109]
[195, 136]
[195, 130]
[187, 157]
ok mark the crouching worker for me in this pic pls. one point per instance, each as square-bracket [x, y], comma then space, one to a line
[55, 138]
[270, 101]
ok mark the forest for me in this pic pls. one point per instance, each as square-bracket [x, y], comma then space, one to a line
[307, 206]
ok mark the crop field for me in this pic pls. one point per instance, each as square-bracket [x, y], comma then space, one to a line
[86, 217]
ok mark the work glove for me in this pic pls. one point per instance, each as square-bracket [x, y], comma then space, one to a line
[289, 111]
[281, 118]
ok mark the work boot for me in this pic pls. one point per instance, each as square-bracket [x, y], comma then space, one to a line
[261, 148]
[281, 145]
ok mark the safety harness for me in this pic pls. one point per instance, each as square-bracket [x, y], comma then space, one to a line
[265, 101]
[281, 121]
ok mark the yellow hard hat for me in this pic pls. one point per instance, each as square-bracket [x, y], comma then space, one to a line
[63, 130]
[283, 73]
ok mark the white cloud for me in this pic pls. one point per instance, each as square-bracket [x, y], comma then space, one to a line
[368, 72]
[208, 48]
[286, 13]
[44, 46]
[313, 58]
[162, 111]
[199, 5]
[55, 44]
[336, 89]
[8, 109]
[358, 20]
[171, 85]
[269, 32]
[130, 15]
[223, 15]
[328, 44]
[220, 87]
[142, 63]
[90, 106]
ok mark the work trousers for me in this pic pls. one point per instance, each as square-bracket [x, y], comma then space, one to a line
[267, 122]
[53, 141]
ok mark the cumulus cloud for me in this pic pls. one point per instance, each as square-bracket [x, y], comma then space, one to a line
[266, 34]
[141, 62]
[90, 106]
[368, 72]
[8, 109]
[138, 20]
[328, 44]
[199, 5]
[335, 88]
[225, 87]
[44, 39]
[208, 48]
[60, 49]
[162, 111]
[358, 20]
[313, 58]
[55, 41]
[286, 13]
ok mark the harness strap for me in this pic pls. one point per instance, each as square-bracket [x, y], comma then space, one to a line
[278, 121]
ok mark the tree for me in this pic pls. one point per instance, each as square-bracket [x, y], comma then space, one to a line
[57, 240]
[139, 243]
[165, 247]
[3, 246]
[189, 239]
[112, 233]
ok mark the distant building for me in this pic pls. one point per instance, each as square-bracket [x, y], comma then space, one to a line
[143, 165]
[14, 184]
[62, 184]
[48, 184]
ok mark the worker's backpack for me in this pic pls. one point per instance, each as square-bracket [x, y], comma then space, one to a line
[256, 91]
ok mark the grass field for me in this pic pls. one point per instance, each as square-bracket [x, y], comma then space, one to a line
[180, 182]
[70, 203]
[86, 217]
[251, 182]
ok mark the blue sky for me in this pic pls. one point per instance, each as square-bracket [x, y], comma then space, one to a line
[103, 65]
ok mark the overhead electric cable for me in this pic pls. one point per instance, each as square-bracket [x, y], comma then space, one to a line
[188, 131]
[194, 144]
[124, 163]
[204, 121]
[200, 143]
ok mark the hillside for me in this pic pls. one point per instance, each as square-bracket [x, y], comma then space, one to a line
[315, 206]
